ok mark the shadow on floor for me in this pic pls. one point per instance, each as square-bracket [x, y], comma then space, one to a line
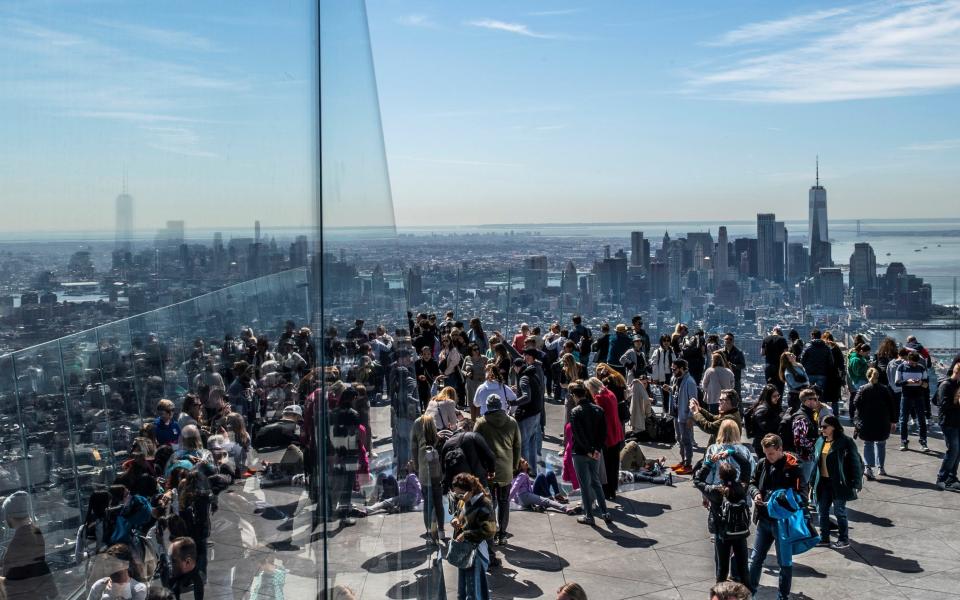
[504, 583]
[535, 560]
[427, 583]
[862, 517]
[882, 558]
[386, 562]
[906, 482]
[643, 509]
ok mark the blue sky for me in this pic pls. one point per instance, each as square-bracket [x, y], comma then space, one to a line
[523, 111]
[545, 111]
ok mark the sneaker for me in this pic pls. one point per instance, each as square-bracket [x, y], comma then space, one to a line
[585, 520]
[670, 479]
[677, 466]
[684, 470]
[883, 471]
[941, 485]
[823, 543]
[840, 545]
[923, 447]
[561, 499]
[953, 486]
[903, 446]
[869, 473]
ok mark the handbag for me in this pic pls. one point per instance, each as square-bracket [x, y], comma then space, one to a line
[461, 554]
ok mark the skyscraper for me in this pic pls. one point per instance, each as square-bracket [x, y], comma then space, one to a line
[766, 242]
[124, 232]
[863, 270]
[720, 262]
[636, 248]
[819, 235]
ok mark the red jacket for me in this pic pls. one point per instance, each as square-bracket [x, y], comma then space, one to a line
[608, 402]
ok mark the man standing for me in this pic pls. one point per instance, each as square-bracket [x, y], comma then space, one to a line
[502, 435]
[521, 337]
[680, 393]
[805, 425]
[914, 383]
[777, 471]
[529, 405]
[774, 345]
[817, 361]
[427, 369]
[736, 360]
[640, 333]
[404, 406]
[582, 338]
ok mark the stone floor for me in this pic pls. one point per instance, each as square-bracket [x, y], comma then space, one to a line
[905, 543]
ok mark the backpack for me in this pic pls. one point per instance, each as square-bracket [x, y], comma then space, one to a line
[663, 431]
[455, 462]
[432, 459]
[734, 519]
[785, 431]
[623, 410]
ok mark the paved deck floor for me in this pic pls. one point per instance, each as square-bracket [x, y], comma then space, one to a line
[905, 543]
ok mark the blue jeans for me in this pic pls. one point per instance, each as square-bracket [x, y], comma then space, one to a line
[825, 499]
[874, 453]
[951, 458]
[472, 582]
[401, 443]
[766, 537]
[684, 441]
[531, 440]
[818, 380]
[806, 469]
[910, 403]
[545, 484]
[588, 472]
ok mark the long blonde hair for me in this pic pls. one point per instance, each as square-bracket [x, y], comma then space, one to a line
[729, 432]
[570, 368]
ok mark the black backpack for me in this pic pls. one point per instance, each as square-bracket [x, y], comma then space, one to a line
[785, 431]
[663, 431]
[735, 519]
[455, 462]
[623, 410]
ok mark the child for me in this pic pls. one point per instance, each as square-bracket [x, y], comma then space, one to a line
[397, 496]
[635, 467]
[728, 499]
[521, 492]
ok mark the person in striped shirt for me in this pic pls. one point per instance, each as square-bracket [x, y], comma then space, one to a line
[915, 385]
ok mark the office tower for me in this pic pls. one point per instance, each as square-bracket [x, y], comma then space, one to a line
[636, 248]
[779, 251]
[798, 262]
[659, 280]
[819, 236]
[829, 284]
[746, 247]
[721, 257]
[414, 286]
[570, 280]
[256, 232]
[535, 274]
[863, 271]
[675, 268]
[124, 230]
[766, 241]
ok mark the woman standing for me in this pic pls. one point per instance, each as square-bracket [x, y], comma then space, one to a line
[476, 335]
[837, 478]
[717, 378]
[836, 378]
[949, 397]
[424, 442]
[474, 523]
[764, 416]
[886, 354]
[794, 378]
[493, 384]
[449, 361]
[570, 371]
[874, 413]
[660, 361]
[613, 442]
[474, 366]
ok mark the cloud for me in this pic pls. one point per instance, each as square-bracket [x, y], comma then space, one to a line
[169, 38]
[454, 161]
[555, 13]
[766, 30]
[934, 146]
[517, 28]
[871, 51]
[416, 21]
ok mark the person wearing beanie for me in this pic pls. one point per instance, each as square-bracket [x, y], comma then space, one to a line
[502, 435]
[24, 566]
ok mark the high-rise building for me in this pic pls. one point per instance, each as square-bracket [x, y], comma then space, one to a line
[124, 230]
[636, 249]
[766, 242]
[722, 258]
[570, 279]
[659, 280]
[779, 252]
[798, 262]
[746, 248]
[819, 235]
[863, 270]
[829, 285]
[535, 274]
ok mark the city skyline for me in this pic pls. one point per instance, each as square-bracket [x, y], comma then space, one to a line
[533, 112]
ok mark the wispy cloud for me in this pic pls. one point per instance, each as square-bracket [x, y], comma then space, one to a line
[169, 38]
[416, 21]
[877, 50]
[517, 28]
[767, 30]
[934, 146]
[555, 13]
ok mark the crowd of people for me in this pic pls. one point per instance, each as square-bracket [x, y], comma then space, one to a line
[467, 423]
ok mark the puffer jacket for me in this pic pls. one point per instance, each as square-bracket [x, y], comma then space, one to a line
[844, 465]
[817, 358]
[873, 409]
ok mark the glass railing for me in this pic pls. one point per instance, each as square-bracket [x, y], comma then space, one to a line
[72, 407]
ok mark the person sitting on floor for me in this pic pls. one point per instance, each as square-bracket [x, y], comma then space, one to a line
[521, 492]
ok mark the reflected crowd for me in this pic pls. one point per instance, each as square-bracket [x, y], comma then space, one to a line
[166, 429]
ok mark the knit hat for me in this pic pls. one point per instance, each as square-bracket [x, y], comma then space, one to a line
[17, 506]
[293, 409]
[494, 403]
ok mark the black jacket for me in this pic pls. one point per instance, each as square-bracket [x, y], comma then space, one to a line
[737, 361]
[763, 420]
[530, 397]
[781, 475]
[478, 459]
[773, 347]
[589, 428]
[873, 409]
[844, 465]
[949, 410]
[817, 359]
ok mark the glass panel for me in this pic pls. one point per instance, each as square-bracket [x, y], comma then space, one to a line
[49, 471]
[121, 387]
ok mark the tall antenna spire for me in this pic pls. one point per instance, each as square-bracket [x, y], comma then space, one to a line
[124, 179]
[818, 170]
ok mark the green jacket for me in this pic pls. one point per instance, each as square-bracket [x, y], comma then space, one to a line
[710, 423]
[857, 368]
[502, 434]
[844, 465]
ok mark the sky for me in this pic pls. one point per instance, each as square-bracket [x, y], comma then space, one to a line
[491, 112]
